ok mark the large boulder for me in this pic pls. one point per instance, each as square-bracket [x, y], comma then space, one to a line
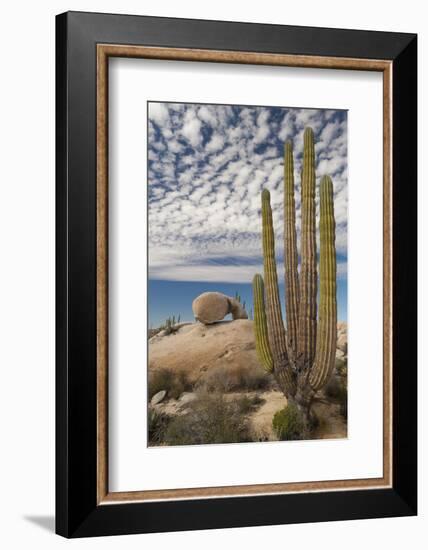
[211, 307]
[196, 348]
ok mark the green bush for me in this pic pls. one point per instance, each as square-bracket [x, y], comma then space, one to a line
[288, 423]
[211, 419]
[175, 383]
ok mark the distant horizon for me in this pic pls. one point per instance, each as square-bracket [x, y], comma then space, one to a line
[168, 304]
[207, 166]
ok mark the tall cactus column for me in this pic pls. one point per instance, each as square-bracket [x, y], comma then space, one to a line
[325, 356]
[273, 305]
[277, 337]
[308, 271]
[263, 350]
[290, 254]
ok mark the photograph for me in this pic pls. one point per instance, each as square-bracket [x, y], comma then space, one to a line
[247, 273]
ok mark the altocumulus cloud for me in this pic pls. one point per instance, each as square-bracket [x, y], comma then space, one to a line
[207, 165]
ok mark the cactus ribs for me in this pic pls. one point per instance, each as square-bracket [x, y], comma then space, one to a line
[302, 358]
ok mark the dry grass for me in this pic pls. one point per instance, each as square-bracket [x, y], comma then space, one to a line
[175, 383]
[337, 390]
[211, 419]
[223, 379]
[157, 425]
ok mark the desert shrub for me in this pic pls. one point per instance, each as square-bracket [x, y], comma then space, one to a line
[216, 379]
[157, 424]
[247, 404]
[256, 380]
[341, 367]
[175, 383]
[224, 379]
[337, 390]
[211, 419]
[334, 388]
[288, 423]
[343, 400]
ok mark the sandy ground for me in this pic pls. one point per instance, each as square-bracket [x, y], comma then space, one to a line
[261, 419]
[332, 425]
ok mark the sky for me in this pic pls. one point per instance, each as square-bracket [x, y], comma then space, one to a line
[207, 166]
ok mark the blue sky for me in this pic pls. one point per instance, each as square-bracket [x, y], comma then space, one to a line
[207, 165]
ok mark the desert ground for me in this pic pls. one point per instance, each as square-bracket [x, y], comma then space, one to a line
[206, 385]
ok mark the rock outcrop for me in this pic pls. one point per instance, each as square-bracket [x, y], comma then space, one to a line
[196, 348]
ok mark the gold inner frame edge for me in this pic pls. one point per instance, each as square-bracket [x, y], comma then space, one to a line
[104, 51]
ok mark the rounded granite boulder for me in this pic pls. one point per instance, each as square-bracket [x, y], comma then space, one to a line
[210, 307]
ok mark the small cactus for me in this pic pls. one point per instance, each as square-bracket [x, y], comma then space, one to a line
[301, 359]
[170, 326]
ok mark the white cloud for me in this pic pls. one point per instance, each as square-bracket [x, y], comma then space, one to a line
[159, 113]
[206, 114]
[328, 132]
[263, 129]
[204, 208]
[191, 129]
[215, 144]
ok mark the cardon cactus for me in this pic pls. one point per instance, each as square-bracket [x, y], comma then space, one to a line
[303, 357]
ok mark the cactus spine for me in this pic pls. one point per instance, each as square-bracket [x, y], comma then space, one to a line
[303, 359]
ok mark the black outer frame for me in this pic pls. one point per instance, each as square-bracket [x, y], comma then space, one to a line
[77, 513]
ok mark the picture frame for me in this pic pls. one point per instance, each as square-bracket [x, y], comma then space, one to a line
[84, 44]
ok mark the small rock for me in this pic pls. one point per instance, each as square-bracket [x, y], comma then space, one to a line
[187, 397]
[340, 354]
[158, 397]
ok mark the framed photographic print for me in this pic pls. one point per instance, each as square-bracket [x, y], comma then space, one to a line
[236, 274]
